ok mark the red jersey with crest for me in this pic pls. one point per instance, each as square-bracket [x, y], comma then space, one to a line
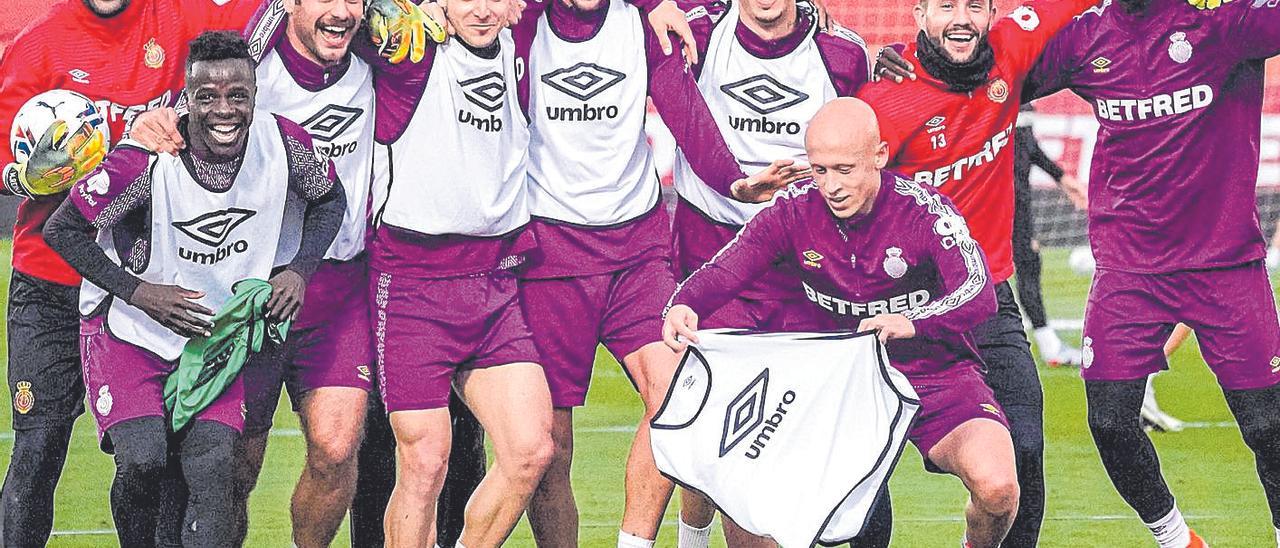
[962, 143]
[127, 64]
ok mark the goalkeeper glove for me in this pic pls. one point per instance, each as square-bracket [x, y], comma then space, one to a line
[1207, 4]
[59, 159]
[399, 29]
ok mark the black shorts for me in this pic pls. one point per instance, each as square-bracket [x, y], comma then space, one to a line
[45, 383]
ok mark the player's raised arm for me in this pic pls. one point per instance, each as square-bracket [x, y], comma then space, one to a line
[1022, 35]
[1256, 28]
[970, 298]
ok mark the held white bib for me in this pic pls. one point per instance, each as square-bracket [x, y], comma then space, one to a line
[761, 106]
[206, 241]
[460, 165]
[340, 121]
[589, 158]
[791, 434]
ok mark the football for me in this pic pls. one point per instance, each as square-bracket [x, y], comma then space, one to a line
[39, 113]
[1081, 261]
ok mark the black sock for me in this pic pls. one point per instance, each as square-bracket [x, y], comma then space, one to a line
[34, 469]
[375, 478]
[466, 469]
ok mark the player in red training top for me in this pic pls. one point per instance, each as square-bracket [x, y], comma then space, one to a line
[127, 56]
[952, 128]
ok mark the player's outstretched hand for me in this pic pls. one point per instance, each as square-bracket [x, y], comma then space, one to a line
[681, 321]
[62, 156]
[158, 131]
[174, 308]
[889, 326]
[763, 185]
[399, 29]
[287, 290]
[1075, 191]
[891, 65]
[668, 17]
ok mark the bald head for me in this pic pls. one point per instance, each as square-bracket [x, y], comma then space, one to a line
[846, 155]
[847, 123]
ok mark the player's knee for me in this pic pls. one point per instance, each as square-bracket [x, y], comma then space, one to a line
[996, 494]
[140, 464]
[332, 455]
[422, 465]
[1113, 424]
[1262, 434]
[530, 458]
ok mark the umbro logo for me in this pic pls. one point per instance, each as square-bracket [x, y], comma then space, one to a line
[764, 94]
[212, 229]
[935, 124]
[331, 121]
[79, 76]
[1101, 65]
[583, 80]
[485, 91]
[745, 413]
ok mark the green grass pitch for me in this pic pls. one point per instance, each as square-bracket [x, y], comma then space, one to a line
[1209, 468]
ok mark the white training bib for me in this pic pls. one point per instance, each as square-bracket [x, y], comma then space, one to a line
[761, 107]
[340, 121]
[791, 434]
[589, 157]
[460, 165]
[206, 241]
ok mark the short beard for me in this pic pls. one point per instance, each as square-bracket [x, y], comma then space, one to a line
[106, 14]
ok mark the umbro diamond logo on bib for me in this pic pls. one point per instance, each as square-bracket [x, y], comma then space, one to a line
[583, 80]
[485, 91]
[212, 229]
[331, 121]
[745, 413]
[764, 94]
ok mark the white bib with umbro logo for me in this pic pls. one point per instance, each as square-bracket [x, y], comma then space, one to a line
[340, 121]
[205, 240]
[792, 434]
[762, 107]
[589, 158]
[460, 165]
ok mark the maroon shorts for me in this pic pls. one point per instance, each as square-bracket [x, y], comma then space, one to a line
[126, 382]
[1232, 310]
[570, 316]
[947, 400]
[426, 330]
[329, 345]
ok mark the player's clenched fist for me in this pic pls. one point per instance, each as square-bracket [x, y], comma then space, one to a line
[680, 321]
[890, 326]
[61, 157]
[399, 29]
[173, 307]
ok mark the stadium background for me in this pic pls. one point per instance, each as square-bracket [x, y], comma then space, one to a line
[1208, 466]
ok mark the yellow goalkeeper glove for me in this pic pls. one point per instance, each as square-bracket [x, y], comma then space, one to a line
[59, 159]
[1207, 4]
[399, 29]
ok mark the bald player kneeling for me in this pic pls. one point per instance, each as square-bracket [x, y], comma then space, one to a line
[874, 251]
